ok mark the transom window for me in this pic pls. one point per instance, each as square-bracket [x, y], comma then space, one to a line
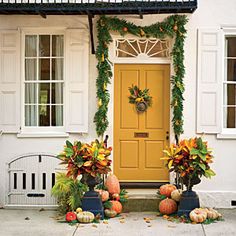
[43, 80]
[145, 48]
[229, 86]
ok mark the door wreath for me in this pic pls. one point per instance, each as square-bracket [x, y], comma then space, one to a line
[140, 98]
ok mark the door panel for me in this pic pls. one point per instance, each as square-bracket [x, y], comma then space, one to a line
[137, 159]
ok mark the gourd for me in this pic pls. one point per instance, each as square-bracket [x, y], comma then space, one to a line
[167, 189]
[112, 184]
[198, 215]
[104, 195]
[176, 194]
[79, 209]
[85, 217]
[167, 206]
[116, 206]
[212, 213]
[116, 196]
[70, 216]
[110, 213]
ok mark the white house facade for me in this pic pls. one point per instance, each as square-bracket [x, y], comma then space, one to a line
[48, 95]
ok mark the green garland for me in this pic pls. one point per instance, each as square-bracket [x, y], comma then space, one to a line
[174, 27]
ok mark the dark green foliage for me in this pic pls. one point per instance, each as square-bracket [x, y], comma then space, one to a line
[68, 193]
[174, 27]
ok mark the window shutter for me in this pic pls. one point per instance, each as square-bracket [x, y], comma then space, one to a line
[76, 81]
[10, 81]
[210, 77]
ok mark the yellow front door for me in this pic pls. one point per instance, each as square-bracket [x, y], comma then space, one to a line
[139, 138]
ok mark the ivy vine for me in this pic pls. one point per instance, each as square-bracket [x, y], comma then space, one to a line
[173, 27]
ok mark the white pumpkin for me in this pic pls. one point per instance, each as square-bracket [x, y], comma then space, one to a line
[85, 217]
[198, 215]
[176, 194]
[212, 213]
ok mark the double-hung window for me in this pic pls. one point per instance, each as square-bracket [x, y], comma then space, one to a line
[229, 86]
[43, 82]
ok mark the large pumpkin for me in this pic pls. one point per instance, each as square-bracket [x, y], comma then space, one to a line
[167, 206]
[85, 217]
[198, 215]
[116, 206]
[112, 184]
[167, 189]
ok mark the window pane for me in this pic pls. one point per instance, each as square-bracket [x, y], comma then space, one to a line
[57, 115]
[57, 46]
[229, 117]
[231, 69]
[44, 45]
[57, 69]
[231, 46]
[30, 115]
[44, 69]
[30, 45]
[44, 93]
[30, 69]
[44, 115]
[57, 93]
[230, 94]
[30, 93]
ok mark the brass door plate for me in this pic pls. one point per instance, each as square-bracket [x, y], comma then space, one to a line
[141, 134]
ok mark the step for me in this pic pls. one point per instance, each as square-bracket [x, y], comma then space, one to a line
[141, 200]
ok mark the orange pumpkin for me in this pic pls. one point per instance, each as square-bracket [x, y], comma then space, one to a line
[167, 206]
[167, 189]
[112, 184]
[116, 206]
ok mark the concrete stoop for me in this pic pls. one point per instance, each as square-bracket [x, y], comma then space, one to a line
[142, 200]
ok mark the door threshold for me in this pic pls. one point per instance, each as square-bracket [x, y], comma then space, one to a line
[142, 185]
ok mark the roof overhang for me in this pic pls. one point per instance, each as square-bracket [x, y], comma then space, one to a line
[94, 7]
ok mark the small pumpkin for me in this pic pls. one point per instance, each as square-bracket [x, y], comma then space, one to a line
[85, 217]
[112, 184]
[110, 213]
[79, 209]
[167, 206]
[212, 213]
[116, 206]
[70, 216]
[104, 195]
[116, 196]
[167, 189]
[176, 194]
[198, 215]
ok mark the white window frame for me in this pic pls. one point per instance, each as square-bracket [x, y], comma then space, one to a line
[49, 130]
[227, 133]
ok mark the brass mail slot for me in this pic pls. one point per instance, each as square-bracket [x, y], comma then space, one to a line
[141, 135]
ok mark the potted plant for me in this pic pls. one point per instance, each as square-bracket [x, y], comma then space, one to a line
[90, 161]
[190, 159]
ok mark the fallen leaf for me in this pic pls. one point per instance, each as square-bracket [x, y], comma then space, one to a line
[41, 209]
[194, 223]
[27, 218]
[149, 226]
[122, 221]
[105, 222]
[165, 216]
[171, 226]
[95, 226]
[147, 221]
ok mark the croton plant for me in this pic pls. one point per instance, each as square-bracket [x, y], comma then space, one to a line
[190, 159]
[84, 158]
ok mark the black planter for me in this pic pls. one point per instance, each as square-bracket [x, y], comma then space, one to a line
[189, 200]
[91, 200]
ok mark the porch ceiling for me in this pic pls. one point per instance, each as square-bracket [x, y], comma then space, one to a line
[96, 7]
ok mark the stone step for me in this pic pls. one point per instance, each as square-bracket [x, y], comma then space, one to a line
[141, 200]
